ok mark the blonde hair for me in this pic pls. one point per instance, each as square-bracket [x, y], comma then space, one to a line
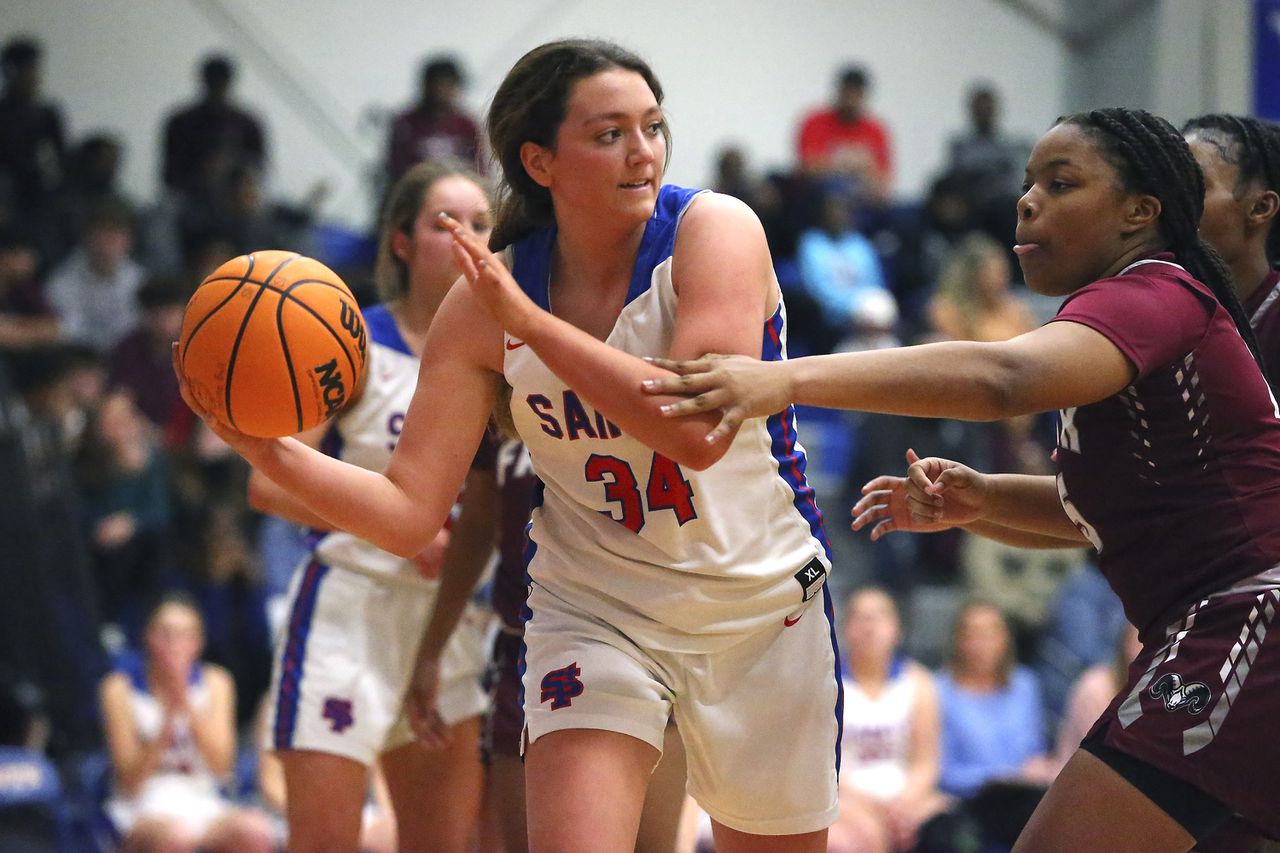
[958, 283]
[404, 203]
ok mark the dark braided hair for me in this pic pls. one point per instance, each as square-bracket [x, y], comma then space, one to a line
[1151, 157]
[1253, 146]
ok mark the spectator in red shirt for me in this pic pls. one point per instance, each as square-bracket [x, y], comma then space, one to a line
[435, 128]
[844, 141]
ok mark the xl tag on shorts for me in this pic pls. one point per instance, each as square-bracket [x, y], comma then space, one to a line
[811, 578]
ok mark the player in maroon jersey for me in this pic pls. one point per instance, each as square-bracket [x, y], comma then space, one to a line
[1240, 159]
[1168, 464]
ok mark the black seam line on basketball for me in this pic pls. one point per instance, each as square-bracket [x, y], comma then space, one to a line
[244, 324]
[284, 294]
[301, 304]
[321, 320]
[288, 359]
[242, 279]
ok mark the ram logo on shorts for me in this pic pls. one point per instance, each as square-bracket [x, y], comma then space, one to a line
[339, 713]
[1169, 687]
[561, 686]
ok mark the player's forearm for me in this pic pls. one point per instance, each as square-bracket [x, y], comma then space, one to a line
[609, 379]
[1030, 503]
[1021, 538]
[470, 549]
[365, 503]
[266, 496]
[954, 379]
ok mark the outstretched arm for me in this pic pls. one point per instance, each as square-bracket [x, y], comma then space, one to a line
[1056, 366]
[724, 278]
[402, 509]
[937, 494]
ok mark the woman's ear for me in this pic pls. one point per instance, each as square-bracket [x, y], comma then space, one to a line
[1264, 208]
[537, 162]
[400, 245]
[1144, 211]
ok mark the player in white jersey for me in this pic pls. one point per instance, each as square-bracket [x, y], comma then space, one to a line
[889, 776]
[170, 727]
[671, 576]
[345, 656]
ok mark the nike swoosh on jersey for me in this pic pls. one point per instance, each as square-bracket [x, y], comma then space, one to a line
[514, 344]
[787, 621]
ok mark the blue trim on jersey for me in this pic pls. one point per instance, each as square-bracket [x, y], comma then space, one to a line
[532, 265]
[530, 549]
[782, 429]
[829, 609]
[295, 647]
[383, 330]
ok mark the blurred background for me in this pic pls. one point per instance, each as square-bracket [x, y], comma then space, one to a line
[144, 142]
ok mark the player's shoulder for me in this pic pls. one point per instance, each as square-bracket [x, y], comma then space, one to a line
[715, 212]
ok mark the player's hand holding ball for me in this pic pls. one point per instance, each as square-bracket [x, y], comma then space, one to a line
[272, 344]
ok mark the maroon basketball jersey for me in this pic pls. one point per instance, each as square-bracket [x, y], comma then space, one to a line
[1176, 479]
[1264, 315]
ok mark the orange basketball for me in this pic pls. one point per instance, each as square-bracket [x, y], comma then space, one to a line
[272, 344]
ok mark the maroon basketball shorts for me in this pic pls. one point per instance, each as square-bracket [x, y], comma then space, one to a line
[1202, 703]
[506, 708]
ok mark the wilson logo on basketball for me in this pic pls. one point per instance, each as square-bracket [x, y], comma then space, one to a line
[352, 322]
[335, 392]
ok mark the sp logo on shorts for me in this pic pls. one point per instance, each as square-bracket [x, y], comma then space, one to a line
[1169, 687]
[561, 686]
[339, 713]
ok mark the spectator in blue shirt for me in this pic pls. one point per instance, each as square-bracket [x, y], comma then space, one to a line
[992, 722]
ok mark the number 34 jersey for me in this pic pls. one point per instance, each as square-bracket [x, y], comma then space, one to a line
[675, 559]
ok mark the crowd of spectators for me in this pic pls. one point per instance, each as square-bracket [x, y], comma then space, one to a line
[115, 497]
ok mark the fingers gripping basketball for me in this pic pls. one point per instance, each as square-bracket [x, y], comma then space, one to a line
[273, 343]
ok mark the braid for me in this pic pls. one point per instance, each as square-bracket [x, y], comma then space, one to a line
[1255, 149]
[1151, 157]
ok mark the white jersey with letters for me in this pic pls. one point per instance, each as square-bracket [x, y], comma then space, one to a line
[365, 434]
[877, 734]
[676, 559]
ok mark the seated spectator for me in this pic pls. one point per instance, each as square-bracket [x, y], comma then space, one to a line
[207, 139]
[125, 482]
[889, 771]
[1092, 693]
[94, 291]
[841, 274]
[92, 180]
[989, 162]
[844, 145]
[141, 364]
[436, 127]
[992, 721]
[32, 143]
[171, 732]
[973, 301]
[26, 318]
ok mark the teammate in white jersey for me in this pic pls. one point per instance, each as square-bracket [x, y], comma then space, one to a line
[170, 728]
[889, 776]
[671, 576]
[346, 654]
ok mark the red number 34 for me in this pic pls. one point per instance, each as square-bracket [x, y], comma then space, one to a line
[667, 489]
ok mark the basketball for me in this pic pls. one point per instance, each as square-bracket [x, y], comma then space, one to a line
[272, 344]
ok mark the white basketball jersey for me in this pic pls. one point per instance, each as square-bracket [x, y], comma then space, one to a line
[674, 558]
[877, 734]
[365, 434]
[181, 756]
